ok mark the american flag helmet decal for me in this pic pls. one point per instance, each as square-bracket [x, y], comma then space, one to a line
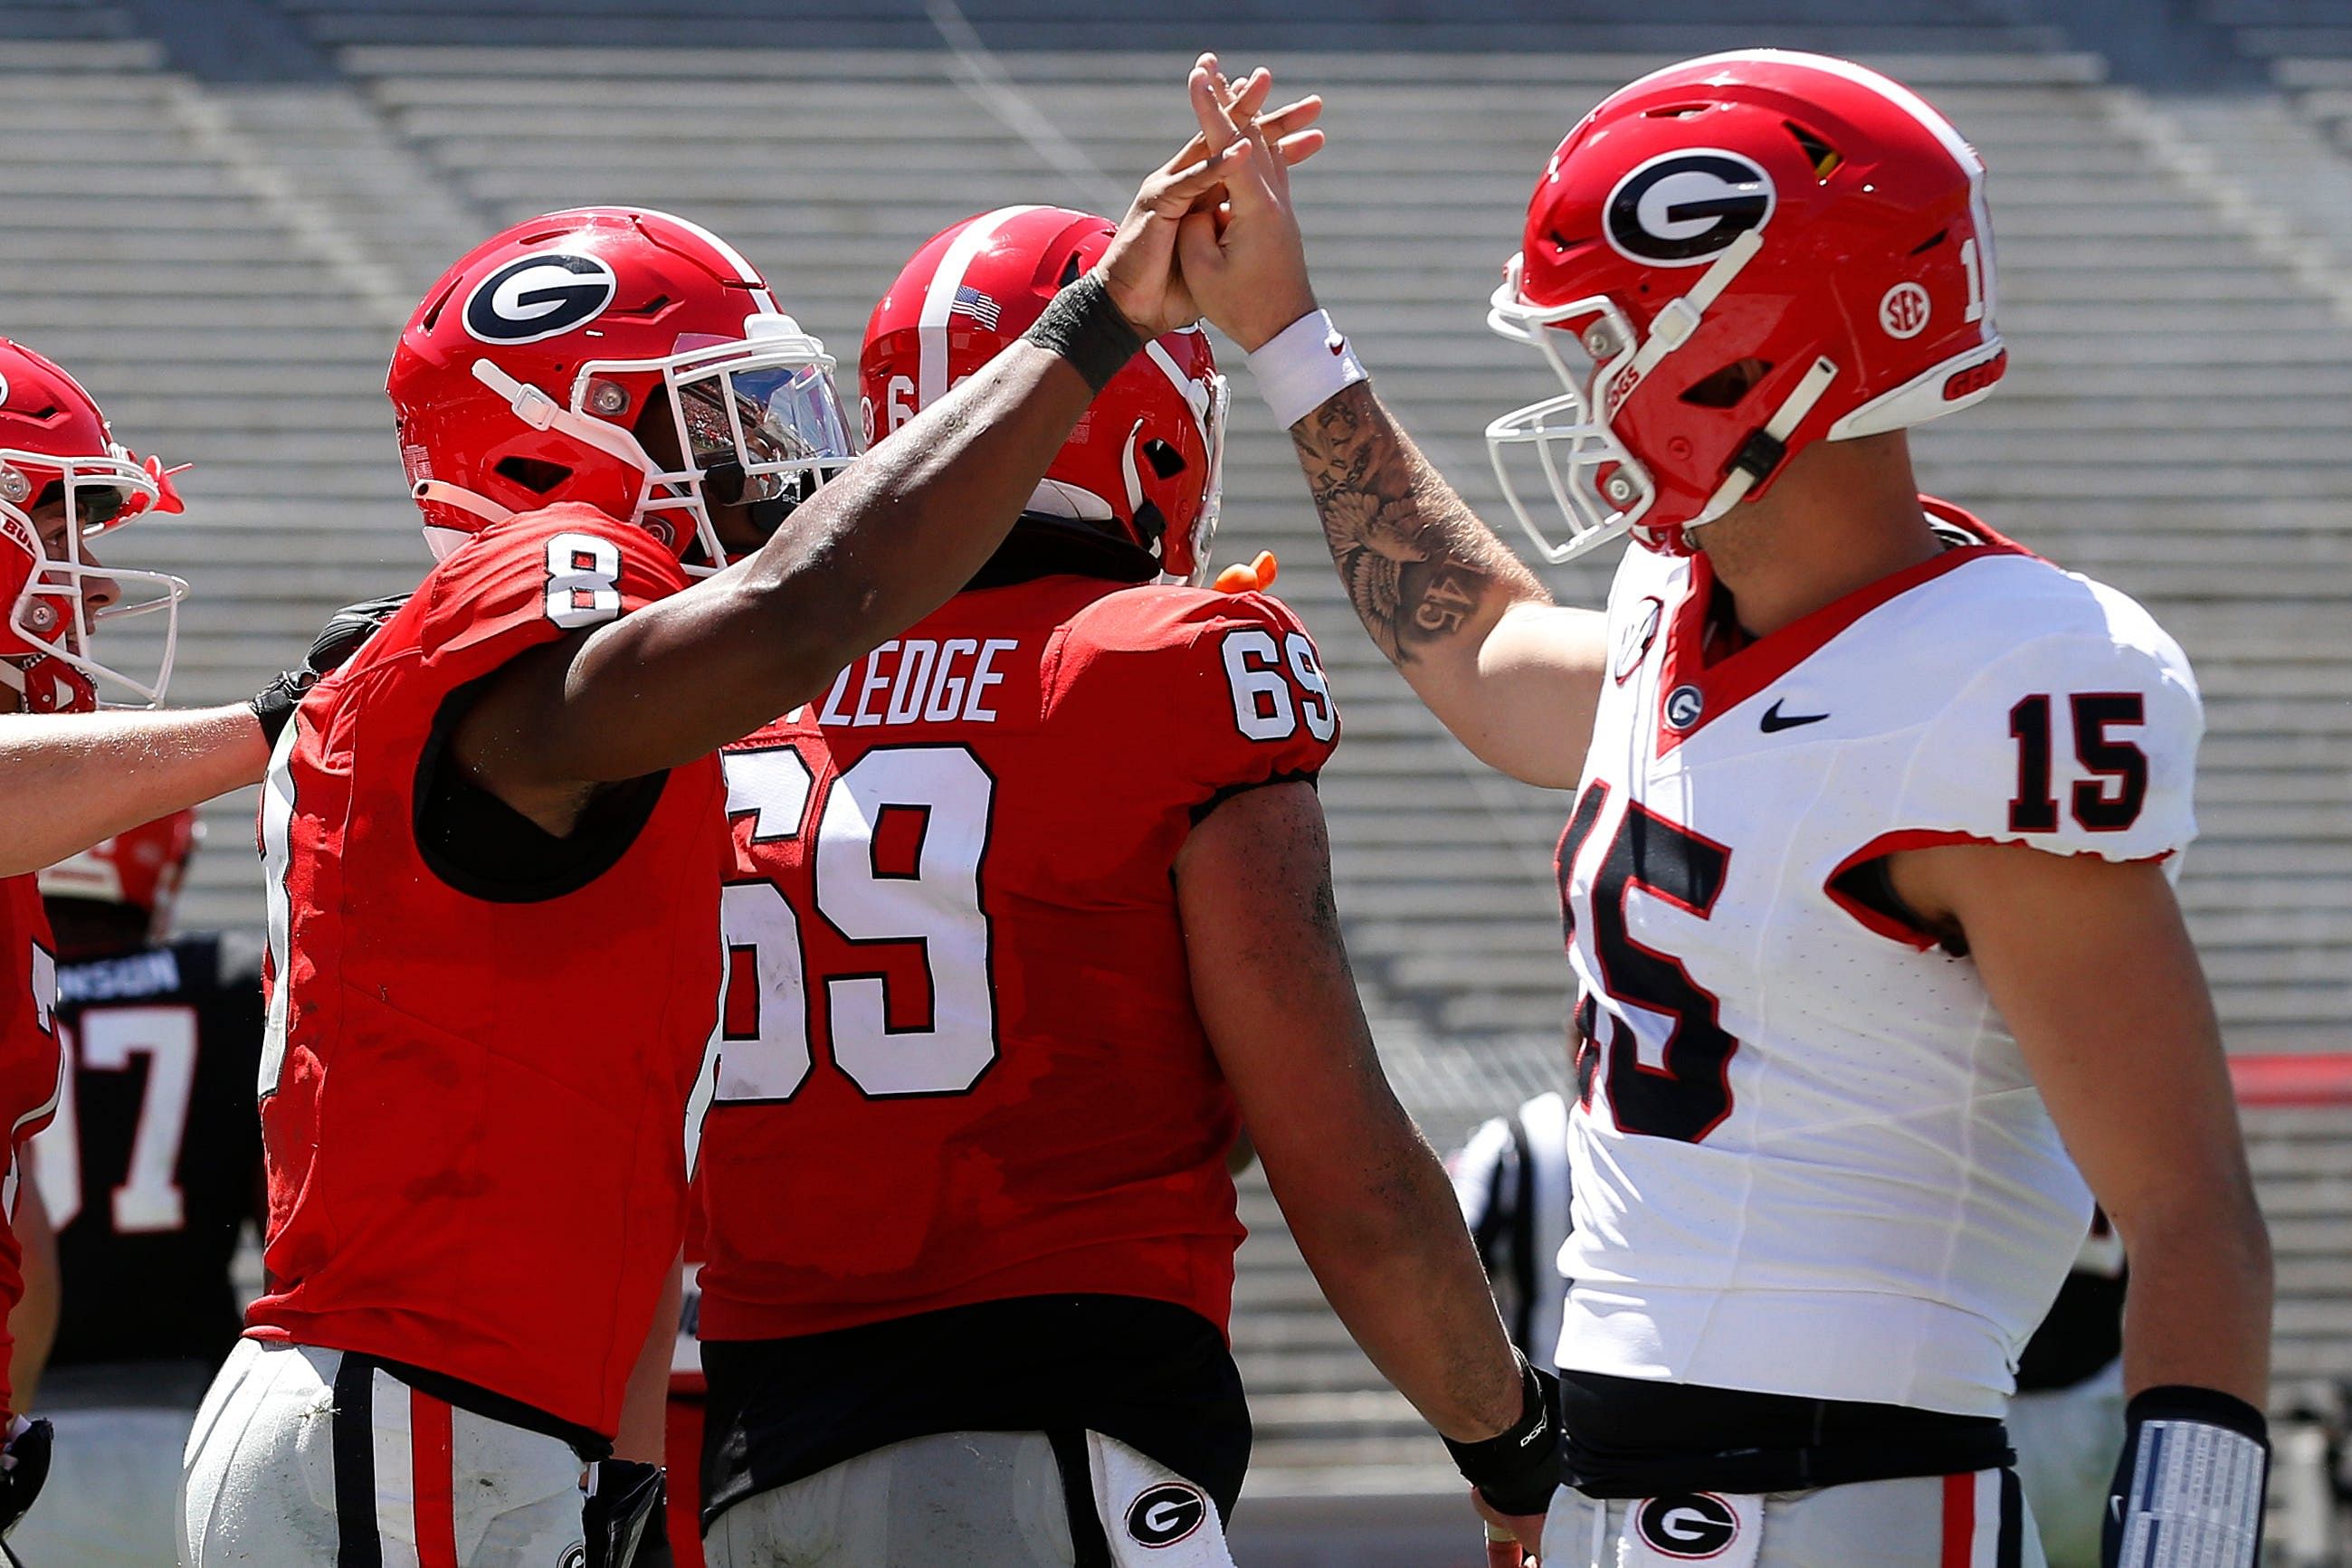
[972, 302]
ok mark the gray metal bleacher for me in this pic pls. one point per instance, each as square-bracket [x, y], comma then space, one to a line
[226, 263]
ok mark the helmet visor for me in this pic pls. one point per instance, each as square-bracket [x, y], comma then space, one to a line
[763, 433]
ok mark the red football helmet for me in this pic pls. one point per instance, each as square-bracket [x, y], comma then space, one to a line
[1755, 251]
[537, 367]
[64, 480]
[1144, 465]
[142, 867]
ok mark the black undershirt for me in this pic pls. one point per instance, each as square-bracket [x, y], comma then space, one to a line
[485, 849]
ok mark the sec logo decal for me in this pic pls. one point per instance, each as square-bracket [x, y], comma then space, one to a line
[1166, 1514]
[1905, 310]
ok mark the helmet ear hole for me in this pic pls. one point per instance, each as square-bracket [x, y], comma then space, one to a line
[1070, 270]
[533, 474]
[1165, 460]
[1727, 387]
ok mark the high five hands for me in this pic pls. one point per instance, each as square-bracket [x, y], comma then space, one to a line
[1212, 230]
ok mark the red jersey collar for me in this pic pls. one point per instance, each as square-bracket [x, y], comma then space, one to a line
[1685, 678]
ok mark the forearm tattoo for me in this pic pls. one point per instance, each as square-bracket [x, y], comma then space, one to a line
[1417, 564]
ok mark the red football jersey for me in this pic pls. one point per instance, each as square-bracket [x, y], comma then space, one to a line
[473, 1097]
[960, 1059]
[30, 1063]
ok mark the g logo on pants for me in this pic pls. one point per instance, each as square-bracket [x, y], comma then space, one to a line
[1166, 1514]
[1694, 1525]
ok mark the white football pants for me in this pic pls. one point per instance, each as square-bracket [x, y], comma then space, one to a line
[2067, 1441]
[1930, 1521]
[977, 1500]
[299, 1460]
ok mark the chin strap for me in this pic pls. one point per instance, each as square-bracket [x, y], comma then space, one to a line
[541, 412]
[1765, 450]
[457, 498]
[1677, 320]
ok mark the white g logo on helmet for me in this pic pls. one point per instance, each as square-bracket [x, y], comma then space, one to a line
[1680, 209]
[539, 296]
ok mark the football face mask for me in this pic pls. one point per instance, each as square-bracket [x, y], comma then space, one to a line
[49, 508]
[765, 438]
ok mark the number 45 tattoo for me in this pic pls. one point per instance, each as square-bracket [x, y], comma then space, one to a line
[1417, 564]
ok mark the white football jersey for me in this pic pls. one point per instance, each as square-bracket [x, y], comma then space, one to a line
[1808, 1158]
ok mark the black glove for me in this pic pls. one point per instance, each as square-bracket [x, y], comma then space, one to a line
[23, 1465]
[624, 1517]
[2189, 1487]
[1517, 1470]
[337, 641]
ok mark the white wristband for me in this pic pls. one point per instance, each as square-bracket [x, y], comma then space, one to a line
[1304, 366]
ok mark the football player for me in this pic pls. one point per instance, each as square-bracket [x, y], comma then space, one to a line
[1031, 908]
[149, 1171]
[495, 841]
[1512, 1180]
[1866, 881]
[63, 480]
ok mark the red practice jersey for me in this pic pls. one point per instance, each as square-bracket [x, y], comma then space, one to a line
[30, 1065]
[473, 1093]
[959, 1059]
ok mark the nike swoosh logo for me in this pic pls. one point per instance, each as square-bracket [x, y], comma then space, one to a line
[1773, 723]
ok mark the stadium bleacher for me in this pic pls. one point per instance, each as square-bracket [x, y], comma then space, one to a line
[228, 257]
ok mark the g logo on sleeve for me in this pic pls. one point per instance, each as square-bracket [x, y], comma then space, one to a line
[1166, 1514]
[1694, 1525]
[1680, 209]
[539, 296]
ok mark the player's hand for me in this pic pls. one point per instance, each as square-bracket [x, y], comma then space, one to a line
[337, 641]
[1512, 1540]
[1139, 269]
[23, 1465]
[1244, 261]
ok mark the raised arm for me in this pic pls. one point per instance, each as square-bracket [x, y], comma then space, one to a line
[876, 549]
[1515, 676]
[70, 779]
[1365, 1195]
[1512, 675]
